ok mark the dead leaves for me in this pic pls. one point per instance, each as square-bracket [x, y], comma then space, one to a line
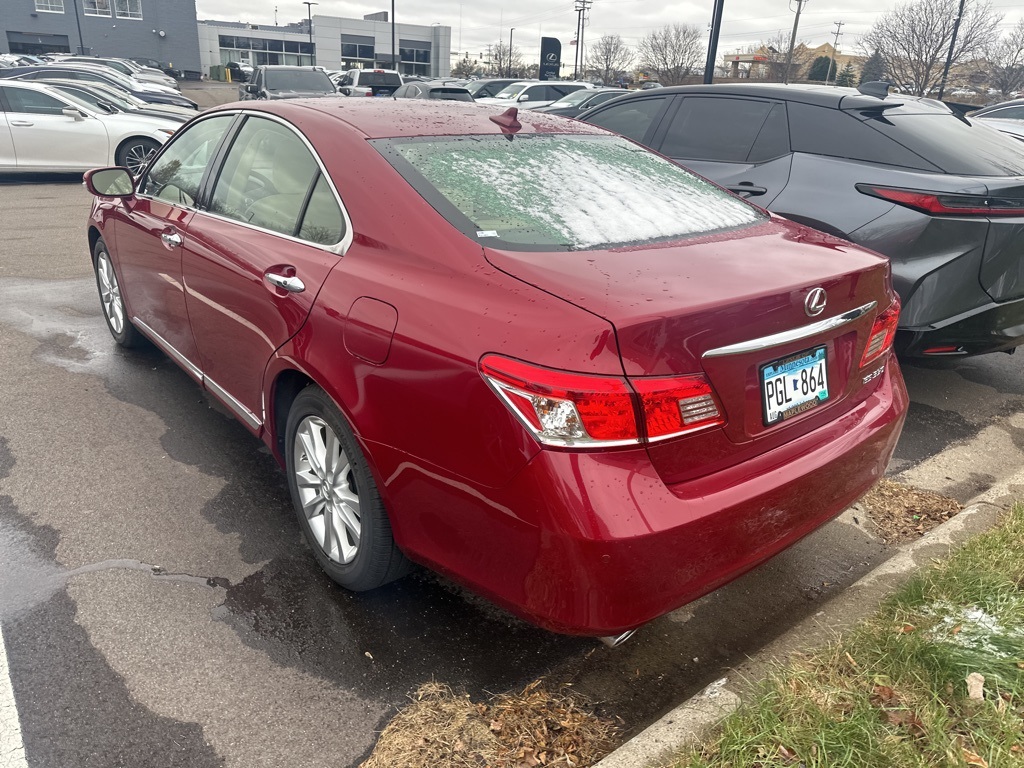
[535, 727]
[896, 712]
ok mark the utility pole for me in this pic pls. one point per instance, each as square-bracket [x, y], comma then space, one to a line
[952, 44]
[832, 62]
[582, 6]
[394, 58]
[78, 22]
[792, 39]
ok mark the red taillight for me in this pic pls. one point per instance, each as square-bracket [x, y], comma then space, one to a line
[577, 409]
[677, 405]
[943, 204]
[883, 332]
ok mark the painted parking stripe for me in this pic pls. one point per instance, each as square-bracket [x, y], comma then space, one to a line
[12, 749]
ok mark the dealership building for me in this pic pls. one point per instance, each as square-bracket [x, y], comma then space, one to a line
[167, 30]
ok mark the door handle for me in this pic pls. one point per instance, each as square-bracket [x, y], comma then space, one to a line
[171, 239]
[290, 284]
[748, 189]
[22, 122]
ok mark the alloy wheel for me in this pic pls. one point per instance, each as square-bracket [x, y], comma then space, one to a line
[110, 292]
[327, 489]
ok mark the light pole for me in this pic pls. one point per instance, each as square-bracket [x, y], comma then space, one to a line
[309, 25]
[78, 22]
[394, 59]
[510, 31]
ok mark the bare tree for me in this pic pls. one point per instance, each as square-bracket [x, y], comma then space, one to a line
[673, 52]
[914, 38]
[466, 67]
[501, 66]
[1007, 58]
[775, 50]
[608, 58]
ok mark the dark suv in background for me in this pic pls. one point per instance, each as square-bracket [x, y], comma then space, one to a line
[282, 82]
[942, 197]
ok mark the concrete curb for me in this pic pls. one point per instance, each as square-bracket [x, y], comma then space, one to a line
[693, 720]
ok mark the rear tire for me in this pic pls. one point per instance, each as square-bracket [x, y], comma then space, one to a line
[335, 496]
[114, 311]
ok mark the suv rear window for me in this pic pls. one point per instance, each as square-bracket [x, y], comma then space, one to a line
[562, 192]
[298, 80]
[955, 145]
[379, 78]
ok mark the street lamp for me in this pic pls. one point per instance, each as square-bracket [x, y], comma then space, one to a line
[309, 25]
[510, 31]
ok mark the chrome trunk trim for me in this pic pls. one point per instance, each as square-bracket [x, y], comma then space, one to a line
[796, 334]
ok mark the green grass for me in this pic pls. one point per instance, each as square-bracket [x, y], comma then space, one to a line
[893, 692]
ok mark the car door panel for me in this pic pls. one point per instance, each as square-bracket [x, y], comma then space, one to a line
[150, 234]
[240, 317]
[8, 157]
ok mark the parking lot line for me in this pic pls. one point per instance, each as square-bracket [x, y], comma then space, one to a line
[12, 749]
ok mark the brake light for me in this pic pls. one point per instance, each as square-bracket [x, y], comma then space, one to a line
[943, 204]
[883, 333]
[582, 410]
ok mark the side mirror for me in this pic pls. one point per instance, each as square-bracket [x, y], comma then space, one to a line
[251, 88]
[110, 182]
[73, 112]
[524, 97]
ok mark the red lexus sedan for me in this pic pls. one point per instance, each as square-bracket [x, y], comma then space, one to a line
[523, 351]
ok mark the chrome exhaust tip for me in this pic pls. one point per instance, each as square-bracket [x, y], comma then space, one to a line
[614, 641]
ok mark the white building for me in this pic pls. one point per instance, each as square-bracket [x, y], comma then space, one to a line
[337, 44]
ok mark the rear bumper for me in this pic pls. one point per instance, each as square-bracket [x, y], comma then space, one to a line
[597, 544]
[991, 328]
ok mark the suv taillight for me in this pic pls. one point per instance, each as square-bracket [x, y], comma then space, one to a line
[564, 408]
[883, 333]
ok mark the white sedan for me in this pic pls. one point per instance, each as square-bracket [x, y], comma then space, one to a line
[43, 129]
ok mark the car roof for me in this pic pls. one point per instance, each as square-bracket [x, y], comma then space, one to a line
[400, 118]
[804, 93]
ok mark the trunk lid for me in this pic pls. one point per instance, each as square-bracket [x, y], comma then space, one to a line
[726, 305]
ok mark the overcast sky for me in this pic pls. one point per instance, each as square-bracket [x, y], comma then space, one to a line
[475, 25]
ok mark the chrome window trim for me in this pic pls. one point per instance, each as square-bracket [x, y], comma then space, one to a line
[247, 416]
[796, 334]
[194, 209]
[341, 247]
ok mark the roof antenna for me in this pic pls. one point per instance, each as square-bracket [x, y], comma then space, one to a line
[508, 121]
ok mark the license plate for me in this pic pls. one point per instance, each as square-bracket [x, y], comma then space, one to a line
[793, 385]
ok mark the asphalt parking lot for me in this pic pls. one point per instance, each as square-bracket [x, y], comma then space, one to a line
[159, 607]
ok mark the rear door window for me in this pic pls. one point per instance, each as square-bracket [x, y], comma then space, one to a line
[713, 128]
[1006, 113]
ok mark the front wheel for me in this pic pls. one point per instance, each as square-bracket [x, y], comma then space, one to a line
[135, 153]
[335, 496]
[114, 313]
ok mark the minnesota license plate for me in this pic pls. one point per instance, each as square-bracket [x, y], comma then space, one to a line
[793, 385]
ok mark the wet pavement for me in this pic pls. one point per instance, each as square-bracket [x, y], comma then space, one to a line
[159, 606]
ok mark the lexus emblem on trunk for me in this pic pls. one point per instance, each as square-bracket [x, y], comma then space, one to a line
[814, 304]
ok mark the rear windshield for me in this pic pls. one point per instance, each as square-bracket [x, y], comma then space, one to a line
[955, 145]
[298, 80]
[379, 78]
[561, 192]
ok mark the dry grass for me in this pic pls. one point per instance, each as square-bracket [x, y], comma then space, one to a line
[901, 513]
[535, 727]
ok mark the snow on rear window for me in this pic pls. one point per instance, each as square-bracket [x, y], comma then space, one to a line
[565, 191]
